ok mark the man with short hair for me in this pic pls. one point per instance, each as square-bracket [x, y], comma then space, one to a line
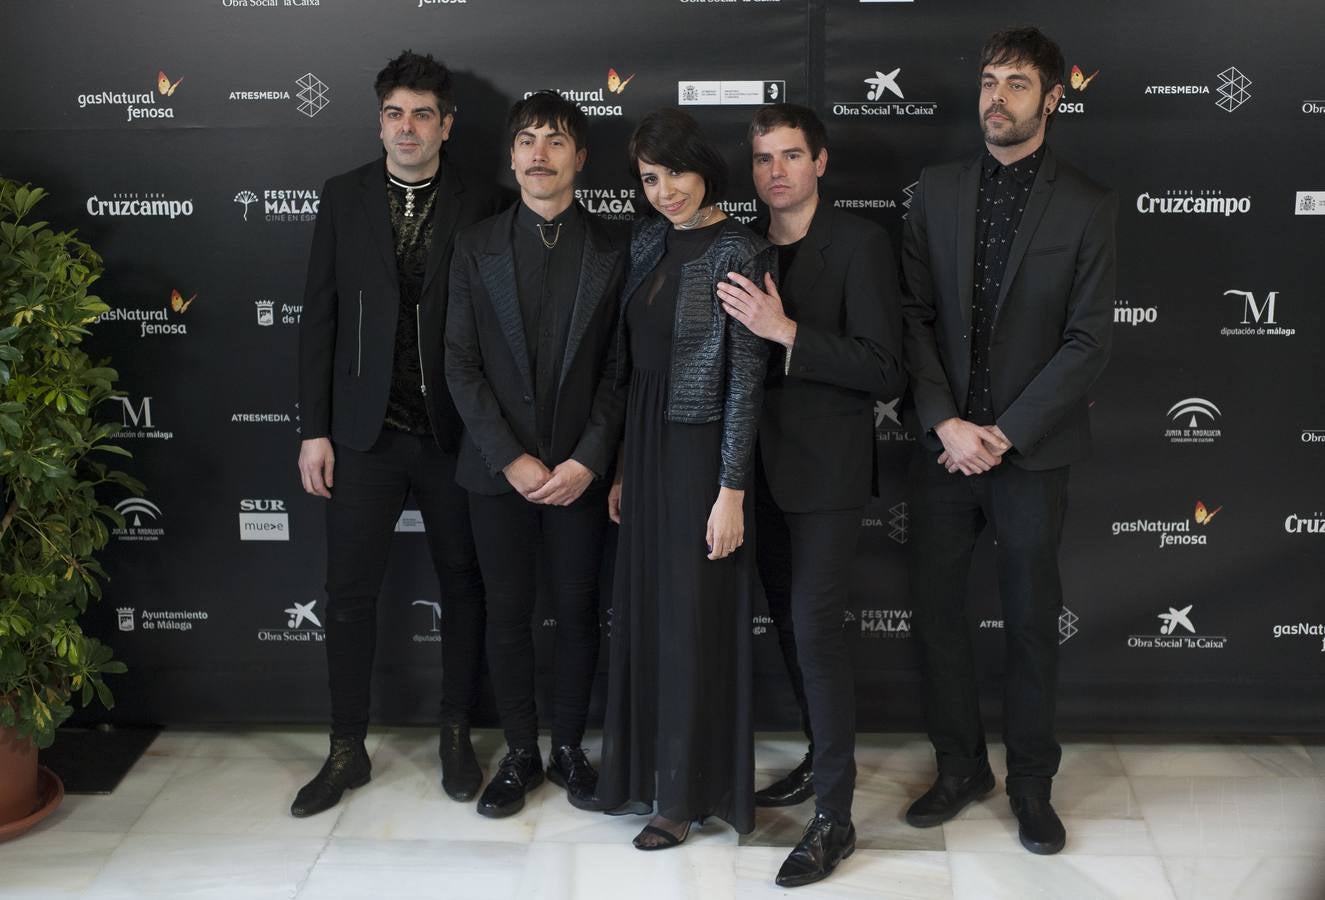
[1009, 260]
[834, 314]
[530, 360]
[377, 421]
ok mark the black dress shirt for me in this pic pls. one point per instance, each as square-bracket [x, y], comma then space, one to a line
[406, 407]
[547, 279]
[1004, 191]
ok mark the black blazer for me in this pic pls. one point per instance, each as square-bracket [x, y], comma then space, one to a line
[816, 433]
[1053, 325]
[487, 360]
[347, 331]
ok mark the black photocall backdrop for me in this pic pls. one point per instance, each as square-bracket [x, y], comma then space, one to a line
[1192, 553]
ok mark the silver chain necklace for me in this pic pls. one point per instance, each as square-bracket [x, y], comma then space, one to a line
[542, 235]
[698, 219]
[409, 192]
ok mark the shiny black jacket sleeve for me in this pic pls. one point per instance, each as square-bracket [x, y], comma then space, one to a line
[747, 362]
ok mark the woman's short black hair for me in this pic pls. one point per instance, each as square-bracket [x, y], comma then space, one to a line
[416, 73]
[549, 108]
[672, 138]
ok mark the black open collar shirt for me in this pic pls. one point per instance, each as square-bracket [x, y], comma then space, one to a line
[547, 280]
[1004, 191]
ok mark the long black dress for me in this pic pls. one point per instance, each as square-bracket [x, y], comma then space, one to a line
[678, 725]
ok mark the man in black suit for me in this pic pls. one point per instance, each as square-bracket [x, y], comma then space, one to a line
[836, 319]
[530, 360]
[377, 421]
[1009, 260]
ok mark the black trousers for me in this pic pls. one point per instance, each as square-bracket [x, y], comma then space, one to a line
[805, 565]
[369, 491]
[509, 530]
[947, 514]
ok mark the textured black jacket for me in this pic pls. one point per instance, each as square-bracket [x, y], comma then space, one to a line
[347, 333]
[487, 359]
[717, 366]
[1053, 326]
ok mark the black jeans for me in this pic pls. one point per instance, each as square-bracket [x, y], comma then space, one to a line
[509, 530]
[369, 491]
[947, 514]
[805, 566]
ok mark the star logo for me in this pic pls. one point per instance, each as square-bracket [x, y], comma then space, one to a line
[881, 82]
[1175, 617]
[300, 613]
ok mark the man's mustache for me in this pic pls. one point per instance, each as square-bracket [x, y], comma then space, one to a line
[540, 170]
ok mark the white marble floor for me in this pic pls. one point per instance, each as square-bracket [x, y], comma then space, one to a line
[204, 814]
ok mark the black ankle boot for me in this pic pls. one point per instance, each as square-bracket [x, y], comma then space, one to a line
[347, 766]
[461, 775]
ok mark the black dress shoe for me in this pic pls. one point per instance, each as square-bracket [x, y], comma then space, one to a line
[347, 766]
[796, 786]
[569, 768]
[823, 845]
[461, 776]
[519, 773]
[1040, 829]
[949, 796]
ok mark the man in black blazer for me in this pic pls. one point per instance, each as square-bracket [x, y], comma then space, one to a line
[835, 315]
[1009, 261]
[377, 421]
[530, 360]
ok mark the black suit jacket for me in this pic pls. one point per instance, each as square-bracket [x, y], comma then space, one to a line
[1053, 325]
[347, 330]
[816, 432]
[487, 359]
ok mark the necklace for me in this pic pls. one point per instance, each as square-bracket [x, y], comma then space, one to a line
[542, 235]
[698, 219]
[409, 192]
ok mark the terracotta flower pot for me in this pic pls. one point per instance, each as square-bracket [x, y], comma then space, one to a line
[18, 776]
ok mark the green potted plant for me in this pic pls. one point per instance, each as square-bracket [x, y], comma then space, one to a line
[51, 520]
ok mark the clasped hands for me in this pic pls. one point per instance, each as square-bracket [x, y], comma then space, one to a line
[970, 448]
[561, 486]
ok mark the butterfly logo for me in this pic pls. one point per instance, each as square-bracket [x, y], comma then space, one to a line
[615, 83]
[163, 85]
[179, 304]
[1203, 515]
[1079, 80]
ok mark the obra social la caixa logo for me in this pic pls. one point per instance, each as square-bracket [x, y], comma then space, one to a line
[884, 96]
[137, 105]
[1174, 532]
[263, 520]
[302, 626]
[1177, 631]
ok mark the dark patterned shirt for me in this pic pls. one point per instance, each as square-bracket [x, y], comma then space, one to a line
[1004, 191]
[406, 406]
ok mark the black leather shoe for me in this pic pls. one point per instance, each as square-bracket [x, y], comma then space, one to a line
[569, 768]
[347, 766]
[1040, 829]
[949, 796]
[461, 776]
[823, 845]
[796, 786]
[519, 773]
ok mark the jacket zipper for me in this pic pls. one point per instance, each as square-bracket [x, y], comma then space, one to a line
[359, 352]
[418, 340]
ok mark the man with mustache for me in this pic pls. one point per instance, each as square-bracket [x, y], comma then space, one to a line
[530, 360]
[1009, 261]
[377, 422]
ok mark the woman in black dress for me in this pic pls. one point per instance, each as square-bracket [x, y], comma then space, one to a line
[678, 736]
